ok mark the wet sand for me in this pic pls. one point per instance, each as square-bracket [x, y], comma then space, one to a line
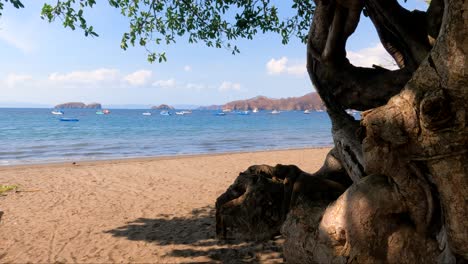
[152, 210]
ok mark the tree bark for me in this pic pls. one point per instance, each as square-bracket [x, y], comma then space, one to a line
[407, 157]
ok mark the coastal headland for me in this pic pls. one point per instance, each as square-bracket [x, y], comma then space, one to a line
[151, 210]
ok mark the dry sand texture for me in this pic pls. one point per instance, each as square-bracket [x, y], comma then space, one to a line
[157, 210]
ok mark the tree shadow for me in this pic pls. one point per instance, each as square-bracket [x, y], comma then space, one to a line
[196, 233]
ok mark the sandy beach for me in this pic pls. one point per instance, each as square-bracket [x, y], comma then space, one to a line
[158, 210]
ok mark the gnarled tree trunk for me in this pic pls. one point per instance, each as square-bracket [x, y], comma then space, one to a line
[408, 155]
[406, 161]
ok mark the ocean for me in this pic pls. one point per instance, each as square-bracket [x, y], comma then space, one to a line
[31, 136]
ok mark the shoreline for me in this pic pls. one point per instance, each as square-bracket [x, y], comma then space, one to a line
[147, 158]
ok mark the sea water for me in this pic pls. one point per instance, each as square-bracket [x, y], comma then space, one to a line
[36, 136]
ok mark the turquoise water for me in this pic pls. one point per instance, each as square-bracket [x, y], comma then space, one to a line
[36, 136]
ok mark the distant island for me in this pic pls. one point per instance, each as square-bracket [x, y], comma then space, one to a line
[78, 105]
[162, 107]
[310, 101]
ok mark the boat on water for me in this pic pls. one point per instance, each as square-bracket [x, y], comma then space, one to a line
[146, 113]
[275, 112]
[99, 112]
[243, 113]
[183, 112]
[307, 111]
[165, 113]
[69, 119]
[227, 110]
[255, 110]
[57, 112]
[220, 114]
[319, 110]
[106, 111]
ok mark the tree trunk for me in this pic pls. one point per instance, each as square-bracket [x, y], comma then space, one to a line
[408, 157]
[405, 164]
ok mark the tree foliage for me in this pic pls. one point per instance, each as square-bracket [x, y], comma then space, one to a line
[216, 23]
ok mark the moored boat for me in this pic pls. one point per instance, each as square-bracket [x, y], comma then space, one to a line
[69, 119]
[146, 113]
[165, 113]
[57, 112]
[275, 112]
[307, 111]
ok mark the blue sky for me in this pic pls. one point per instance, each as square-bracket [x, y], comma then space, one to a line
[46, 64]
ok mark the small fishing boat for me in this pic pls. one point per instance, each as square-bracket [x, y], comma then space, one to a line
[220, 114]
[106, 111]
[57, 112]
[319, 110]
[69, 119]
[255, 110]
[186, 112]
[180, 113]
[99, 112]
[146, 113]
[307, 111]
[275, 112]
[165, 113]
[243, 113]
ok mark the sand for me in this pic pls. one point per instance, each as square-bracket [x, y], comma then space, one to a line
[158, 210]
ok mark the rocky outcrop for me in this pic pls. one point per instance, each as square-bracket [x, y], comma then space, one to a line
[78, 105]
[310, 101]
[163, 107]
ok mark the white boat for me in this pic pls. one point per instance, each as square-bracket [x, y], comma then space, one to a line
[56, 112]
[319, 110]
[227, 110]
[255, 110]
[165, 113]
[275, 112]
[184, 112]
[146, 113]
[307, 111]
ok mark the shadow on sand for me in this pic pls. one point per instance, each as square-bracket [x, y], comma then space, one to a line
[197, 231]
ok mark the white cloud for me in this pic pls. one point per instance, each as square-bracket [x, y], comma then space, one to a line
[372, 55]
[280, 66]
[187, 68]
[171, 83]
[13, 79]
[229, 86]
[94, 76]
[138, 78]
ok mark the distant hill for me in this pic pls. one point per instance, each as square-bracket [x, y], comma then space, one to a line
[210, 107]
[309, 101]
[163, 107]
[78, 105]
